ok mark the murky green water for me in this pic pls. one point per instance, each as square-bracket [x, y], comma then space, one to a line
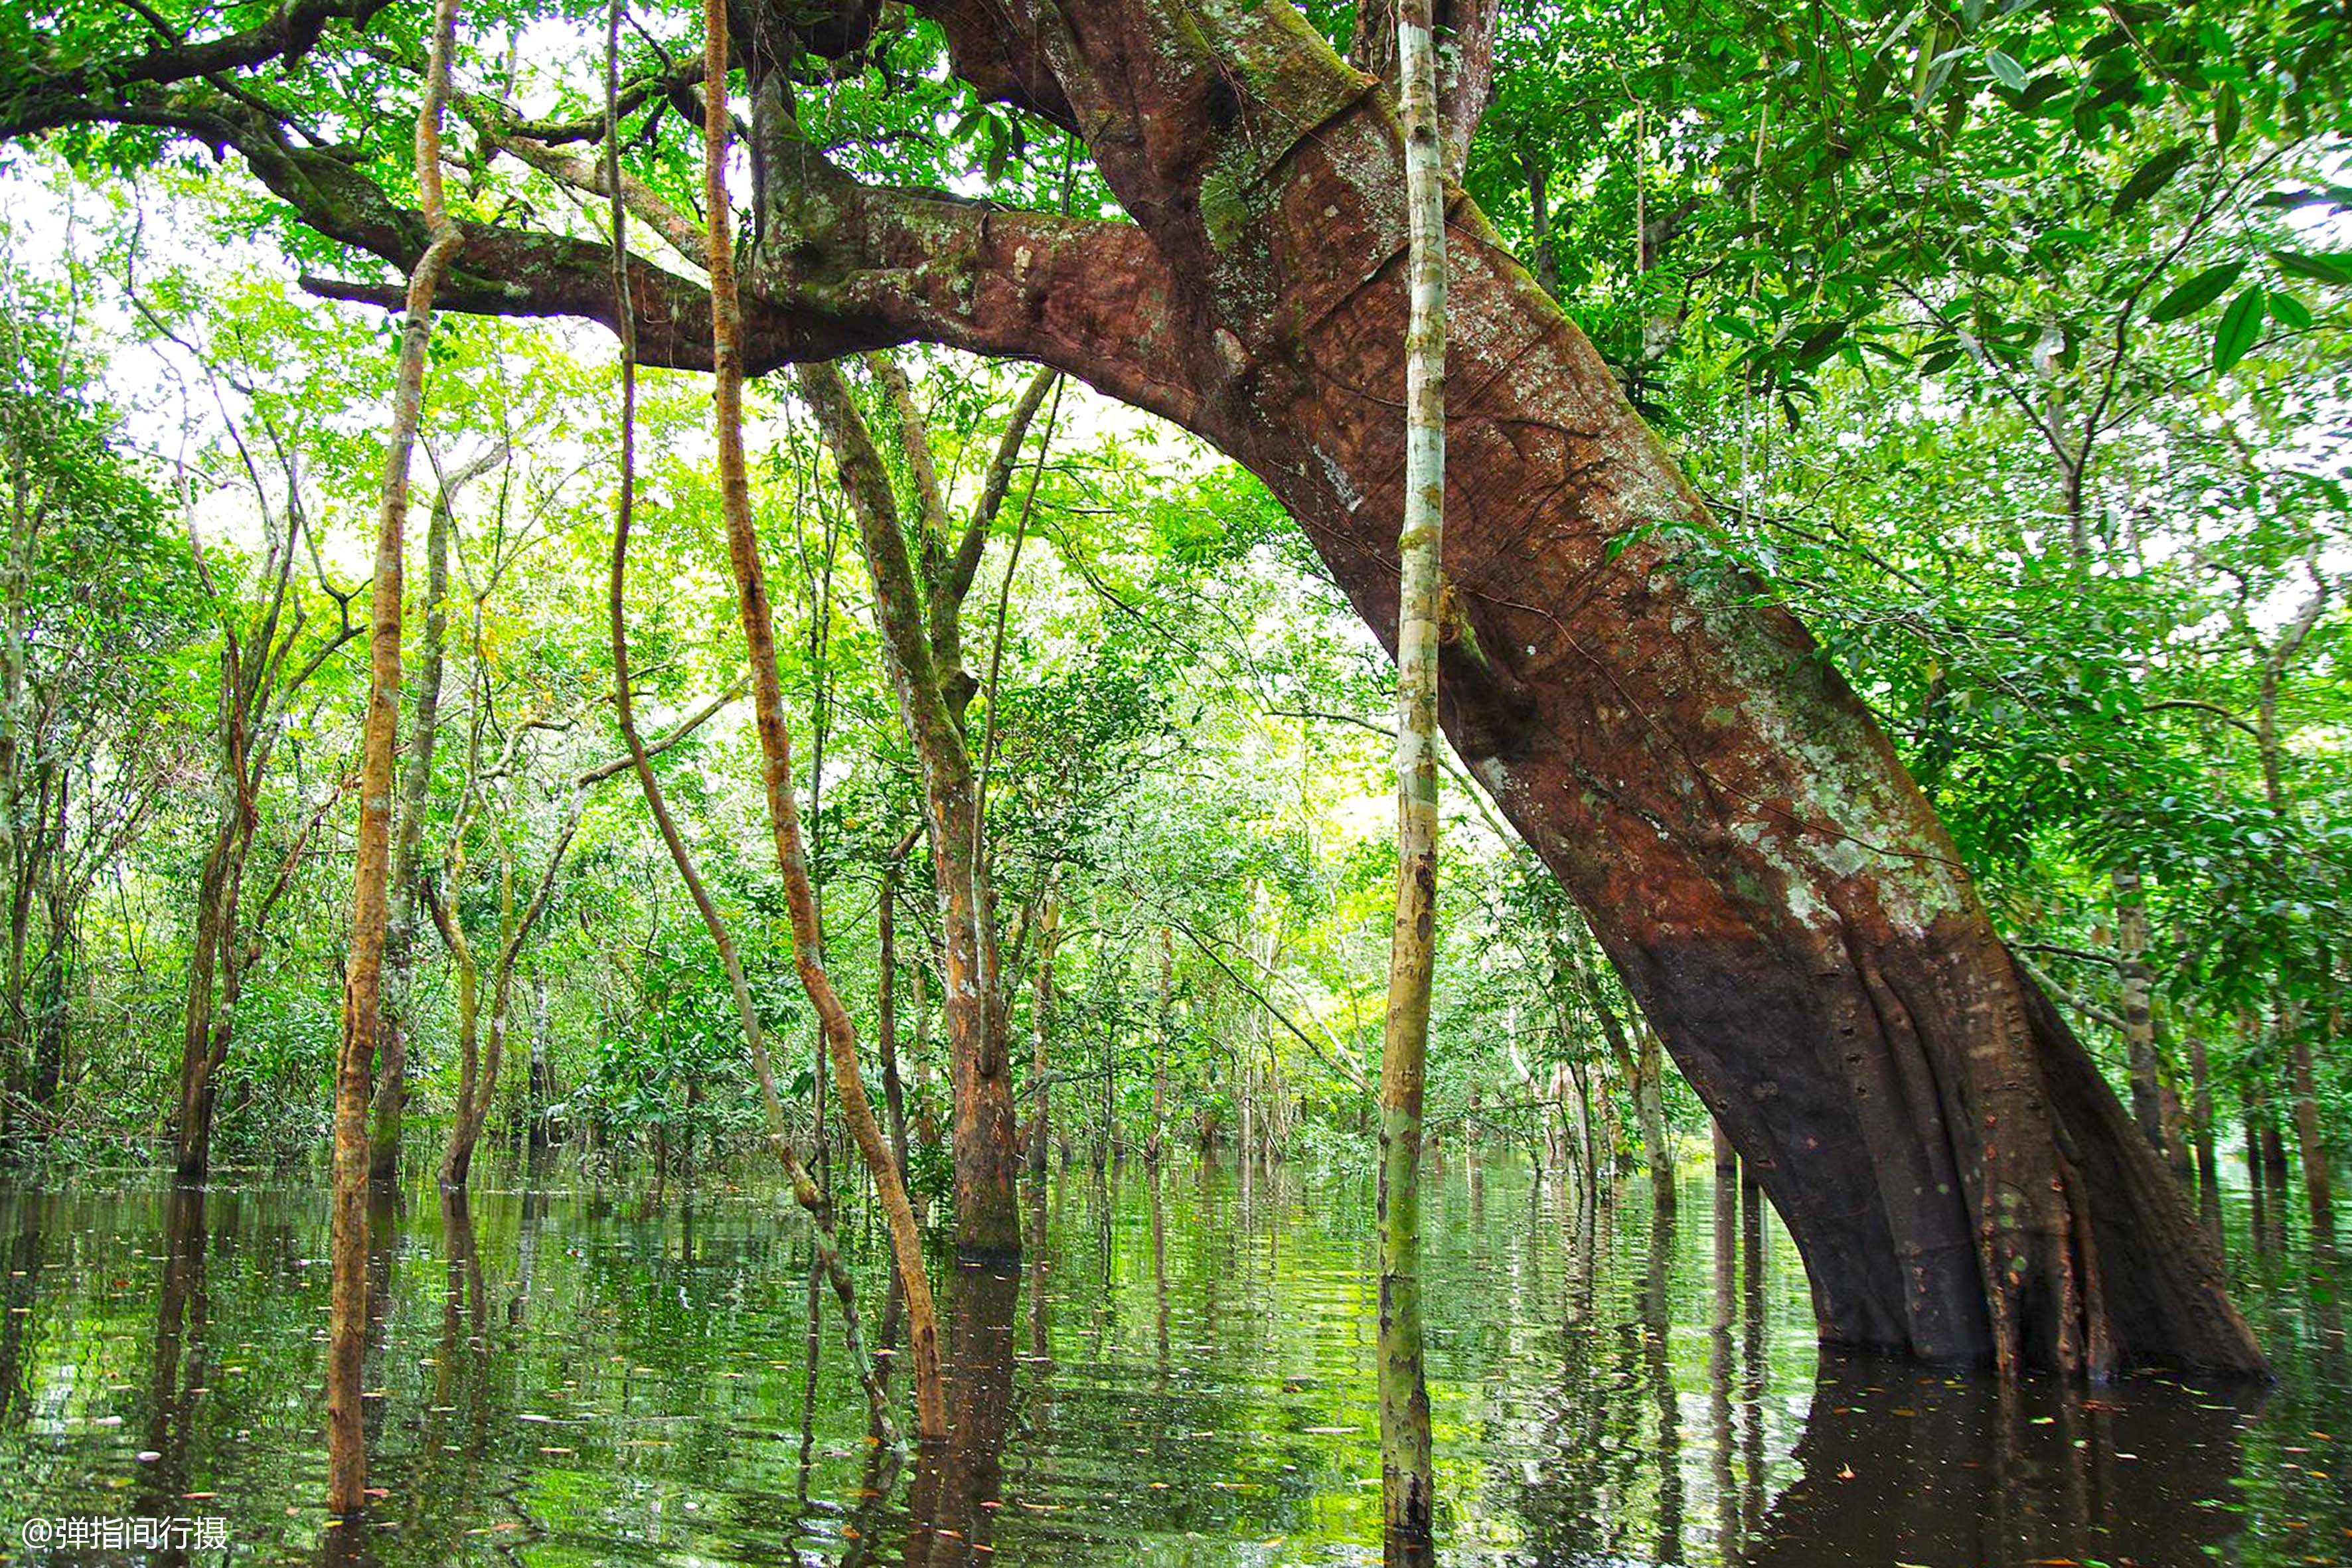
[1180, 1374]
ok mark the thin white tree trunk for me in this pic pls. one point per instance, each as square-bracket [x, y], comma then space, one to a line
[1407, 1488]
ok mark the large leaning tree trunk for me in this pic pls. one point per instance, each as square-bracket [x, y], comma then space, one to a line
[1774, 888]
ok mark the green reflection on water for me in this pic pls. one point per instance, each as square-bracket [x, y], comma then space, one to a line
[1179, 1372]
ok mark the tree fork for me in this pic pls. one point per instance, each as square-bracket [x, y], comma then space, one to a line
[987, 1155]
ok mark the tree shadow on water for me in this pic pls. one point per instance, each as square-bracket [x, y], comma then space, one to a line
[1951, 1470]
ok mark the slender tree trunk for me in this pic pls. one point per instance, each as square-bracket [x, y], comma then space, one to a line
[1643, 1066]
[2264, 1148]
[371, 861]
[1726, 1229]
[985, 1142]
[1538, 174]
[1650, 1108]
[986, 1146]
[543, 1073]
[1041, 1034]
[415, 784]
[1408, 1486]
[2179, 1141]
[1107, 1147]
[14, 746]
[2311, 1141]
[826, 1245]
[926, 1124]
[2139, 1021]
[457, 1155]
[775, 745]
[1245, 1106]
[2257, 1182]
[53, 1023]
[193, 1130]
[14, 1069]
[886, 1020]
[2276, 1175]
[1154, 1140]
[2200, 1119]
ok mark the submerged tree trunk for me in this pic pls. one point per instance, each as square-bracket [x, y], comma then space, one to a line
[924, 1124]
[1645, 1070]
[193, 1126]
[826, 1245]
[1650, 1110]
[542, 1069]
[885, 1018]
[1776, 891]
[931, 688]
[1726, 1229]
[371, 861]
[1758, 865]
[2200, 1123]
[1155, 1139]
[2257, 1180]
[1408, 1483]
[2276, 1174]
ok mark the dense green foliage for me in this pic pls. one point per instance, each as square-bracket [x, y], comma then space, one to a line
[2009, 342]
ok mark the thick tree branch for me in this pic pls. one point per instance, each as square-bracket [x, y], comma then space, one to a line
[29, 94]
[995, 483]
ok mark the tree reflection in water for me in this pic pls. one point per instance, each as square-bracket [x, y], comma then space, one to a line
[1170, 1373]
[957, 1486]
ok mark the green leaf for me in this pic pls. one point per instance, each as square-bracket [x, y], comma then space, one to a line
[2006, 70]
[2150, 177]
[2198, 292]
[2333, 270]
[2241, 323]
[1818, 344]
[2289, 311]
[2226, 116]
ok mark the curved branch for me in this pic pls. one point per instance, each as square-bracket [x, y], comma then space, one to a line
[850, 267]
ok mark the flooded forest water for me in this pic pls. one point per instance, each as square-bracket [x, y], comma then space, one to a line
[1179, 1372]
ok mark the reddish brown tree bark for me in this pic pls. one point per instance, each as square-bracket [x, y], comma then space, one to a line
[1753, 857]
